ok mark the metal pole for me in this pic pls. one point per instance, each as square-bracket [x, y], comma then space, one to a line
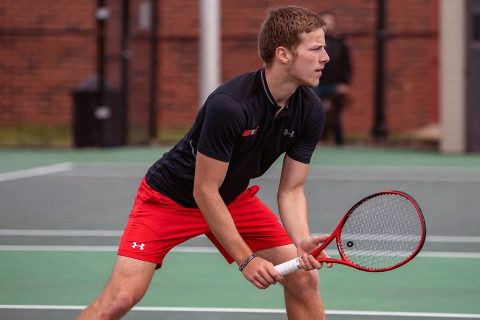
[380, 129]
[125, 57]
[209, 47]
[101, 111]
[152, 127]
[102, 15]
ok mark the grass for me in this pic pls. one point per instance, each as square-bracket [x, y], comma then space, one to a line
[60, 136]
[32, 135]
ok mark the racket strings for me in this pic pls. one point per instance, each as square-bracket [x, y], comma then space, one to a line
[381, 232]
[390, 248]
[396, 246]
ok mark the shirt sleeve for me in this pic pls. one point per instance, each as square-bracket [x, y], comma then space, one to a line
[303, 149]
[224, 122]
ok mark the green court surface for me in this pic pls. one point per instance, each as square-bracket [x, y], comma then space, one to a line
[51, 265]
[205, 280]
[13, 159]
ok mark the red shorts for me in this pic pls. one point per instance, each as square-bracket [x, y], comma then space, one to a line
[157, 224]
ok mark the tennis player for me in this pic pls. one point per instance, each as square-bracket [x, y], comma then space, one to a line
[201, 186]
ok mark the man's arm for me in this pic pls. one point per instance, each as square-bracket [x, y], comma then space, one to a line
[292, 205]
[209, 176]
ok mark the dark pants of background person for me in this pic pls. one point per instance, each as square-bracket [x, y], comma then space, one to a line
[334, 104]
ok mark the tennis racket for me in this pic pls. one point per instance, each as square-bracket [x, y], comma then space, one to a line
[381, 232]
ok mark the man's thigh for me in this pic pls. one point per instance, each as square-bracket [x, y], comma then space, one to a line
[279, 254]
[131, 275]
[156, 225]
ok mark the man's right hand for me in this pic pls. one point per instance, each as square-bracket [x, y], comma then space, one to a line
[261, 273]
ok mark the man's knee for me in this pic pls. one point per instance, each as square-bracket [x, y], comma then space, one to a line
[126, 299]
[129, 282]
[118, 303]
[302, 282]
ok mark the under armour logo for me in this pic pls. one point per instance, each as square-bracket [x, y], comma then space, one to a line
[288, 133]
[141, 246]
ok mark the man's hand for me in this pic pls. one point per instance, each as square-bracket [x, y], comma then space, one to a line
[261, 273]
[307, 261]
[342, 89]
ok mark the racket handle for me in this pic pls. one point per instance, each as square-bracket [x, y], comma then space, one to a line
[288, 266]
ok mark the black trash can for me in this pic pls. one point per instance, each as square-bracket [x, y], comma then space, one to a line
[96, 125]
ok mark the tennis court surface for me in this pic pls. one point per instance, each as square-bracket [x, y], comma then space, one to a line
[62, 212]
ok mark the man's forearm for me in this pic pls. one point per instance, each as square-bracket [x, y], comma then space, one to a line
[293, 212]
[222, 225]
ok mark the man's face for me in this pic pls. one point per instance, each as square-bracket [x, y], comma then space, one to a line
[309, 58]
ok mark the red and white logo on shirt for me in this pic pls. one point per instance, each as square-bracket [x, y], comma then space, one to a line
[250, 132]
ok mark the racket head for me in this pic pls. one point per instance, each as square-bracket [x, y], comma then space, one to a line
[381, 232]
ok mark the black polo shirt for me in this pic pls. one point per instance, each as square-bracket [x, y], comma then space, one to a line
[237, 124]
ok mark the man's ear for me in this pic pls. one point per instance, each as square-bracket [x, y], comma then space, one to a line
[283, 55]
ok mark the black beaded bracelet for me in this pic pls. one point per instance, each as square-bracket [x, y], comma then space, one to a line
[247, 261]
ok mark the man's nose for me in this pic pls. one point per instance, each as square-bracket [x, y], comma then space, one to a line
[326, 58]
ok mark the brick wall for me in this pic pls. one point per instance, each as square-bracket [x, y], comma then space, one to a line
[48, 47]
[45, 46]
[411, 98]
[178, 96]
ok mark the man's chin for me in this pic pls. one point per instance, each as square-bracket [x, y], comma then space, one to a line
[313, 84]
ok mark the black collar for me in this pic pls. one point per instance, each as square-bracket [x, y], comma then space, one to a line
[267, 91]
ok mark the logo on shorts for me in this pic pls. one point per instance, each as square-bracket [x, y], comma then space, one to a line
[141, 246]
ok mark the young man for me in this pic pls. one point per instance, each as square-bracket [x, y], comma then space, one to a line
[201, 185]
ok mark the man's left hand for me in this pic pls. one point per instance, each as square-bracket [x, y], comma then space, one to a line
[307, 261]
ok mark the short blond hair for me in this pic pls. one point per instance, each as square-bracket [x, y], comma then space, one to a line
[283, 26]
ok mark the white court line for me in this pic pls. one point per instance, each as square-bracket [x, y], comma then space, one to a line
[35, 172]
[319, 176]
[453, 239]
[254, 310]
[321, 172]
[68, 248]
[117, 233]
[352, 173]
[449, 254]
[53, 248]
[60, 233]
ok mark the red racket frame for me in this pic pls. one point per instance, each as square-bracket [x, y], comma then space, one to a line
[336, 235]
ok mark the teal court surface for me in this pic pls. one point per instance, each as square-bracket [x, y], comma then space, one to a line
[62, 213]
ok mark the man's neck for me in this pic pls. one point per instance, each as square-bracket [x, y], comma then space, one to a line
[280, 85]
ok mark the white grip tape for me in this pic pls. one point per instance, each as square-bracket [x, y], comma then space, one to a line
[288, 267]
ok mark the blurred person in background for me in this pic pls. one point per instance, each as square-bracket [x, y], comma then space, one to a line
[334, 87]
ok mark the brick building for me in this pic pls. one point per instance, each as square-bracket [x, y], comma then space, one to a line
[47, 48]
